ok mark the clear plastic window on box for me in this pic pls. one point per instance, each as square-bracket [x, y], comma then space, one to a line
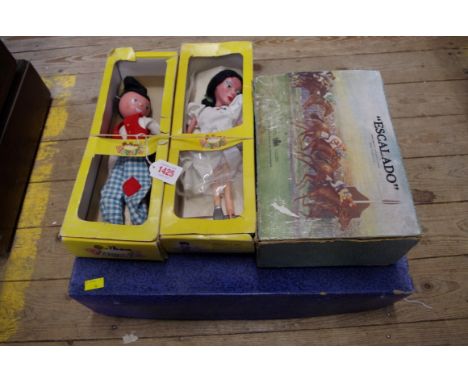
[211, 185]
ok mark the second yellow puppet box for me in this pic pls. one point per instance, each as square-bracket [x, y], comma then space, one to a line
[212, 206]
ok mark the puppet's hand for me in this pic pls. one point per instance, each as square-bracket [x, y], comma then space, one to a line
[153, 127]
[149, 124]
[192, 125]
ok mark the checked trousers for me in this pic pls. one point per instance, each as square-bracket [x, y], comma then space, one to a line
[114, 199]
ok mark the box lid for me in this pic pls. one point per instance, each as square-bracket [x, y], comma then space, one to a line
[328, 161]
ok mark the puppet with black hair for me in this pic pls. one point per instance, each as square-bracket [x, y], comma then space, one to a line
[129, 180]
[213, 172]
[221, 109]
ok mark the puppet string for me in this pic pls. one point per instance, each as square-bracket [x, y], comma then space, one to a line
[146, 147]
[417, 302]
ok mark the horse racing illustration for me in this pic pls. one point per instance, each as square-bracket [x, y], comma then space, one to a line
[319, 151]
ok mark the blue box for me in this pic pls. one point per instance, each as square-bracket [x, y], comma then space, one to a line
[212, 287]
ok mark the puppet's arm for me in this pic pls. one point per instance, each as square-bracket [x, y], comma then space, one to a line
[236, 110]
[192, 125]
[123, 132]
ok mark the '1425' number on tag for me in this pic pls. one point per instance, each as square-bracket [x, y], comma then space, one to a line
[165, 171]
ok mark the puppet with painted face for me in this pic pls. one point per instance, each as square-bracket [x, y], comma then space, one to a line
[212, 172]
[129, 181]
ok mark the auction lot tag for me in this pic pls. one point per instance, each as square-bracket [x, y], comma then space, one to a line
[94, 284]
[165, 171]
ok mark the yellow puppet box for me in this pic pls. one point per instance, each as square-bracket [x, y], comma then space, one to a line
[211, 208]
[83, 231]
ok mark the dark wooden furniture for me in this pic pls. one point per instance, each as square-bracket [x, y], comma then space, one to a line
[25, 102]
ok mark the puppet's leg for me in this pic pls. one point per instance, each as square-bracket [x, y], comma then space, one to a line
[232, 165]
[207, 165]
[228, 200]
[111, 203]
[218, 210]
[137, 176]
[227, 184]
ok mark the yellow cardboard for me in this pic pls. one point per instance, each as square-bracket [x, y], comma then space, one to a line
[131, 147]
[115, 249]
[205, 234]
[94, 284]
[99, 239]
[241, 243]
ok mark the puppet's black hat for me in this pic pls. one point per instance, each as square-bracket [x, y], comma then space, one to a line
[132, 85]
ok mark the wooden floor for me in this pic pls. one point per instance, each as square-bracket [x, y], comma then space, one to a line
[426, 82]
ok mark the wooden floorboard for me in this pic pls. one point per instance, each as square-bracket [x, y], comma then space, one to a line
[426, 82]
[396, 68]
[444, 332]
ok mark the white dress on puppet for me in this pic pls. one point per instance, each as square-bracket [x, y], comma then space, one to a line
[204, 169]
[213, 119]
